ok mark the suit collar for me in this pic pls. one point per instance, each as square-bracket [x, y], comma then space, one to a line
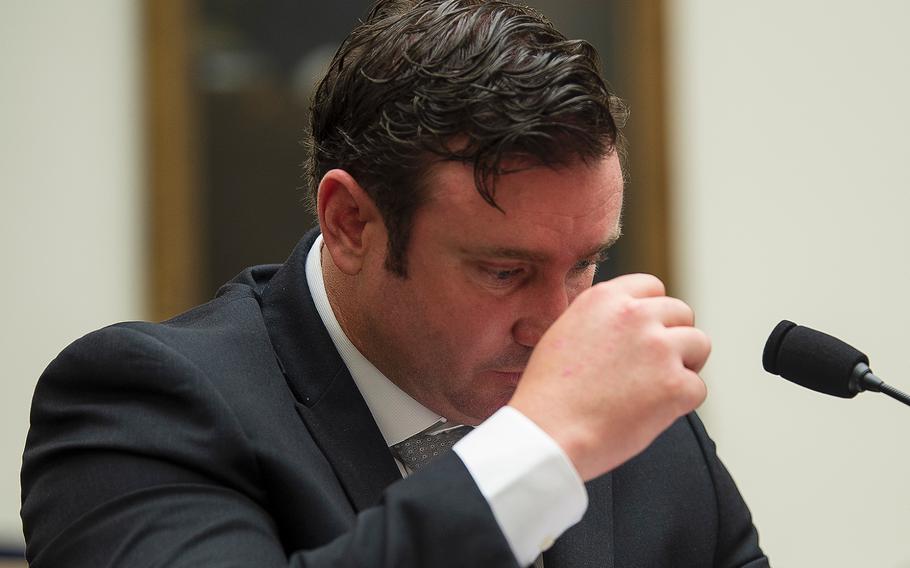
[328, 400]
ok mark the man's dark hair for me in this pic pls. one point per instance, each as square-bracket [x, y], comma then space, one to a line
[475, 81]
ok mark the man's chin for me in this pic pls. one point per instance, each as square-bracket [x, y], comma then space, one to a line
[488, 392]
[493, 402]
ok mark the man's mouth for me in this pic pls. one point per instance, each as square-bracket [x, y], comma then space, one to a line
[509, 375]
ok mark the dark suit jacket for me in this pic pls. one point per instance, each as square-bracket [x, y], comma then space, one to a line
[233, 435]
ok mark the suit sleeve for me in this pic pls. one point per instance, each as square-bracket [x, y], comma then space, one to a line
[134, 459]
[737, 538]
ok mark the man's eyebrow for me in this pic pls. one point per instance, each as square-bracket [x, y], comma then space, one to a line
[510, 253]
[536, 256]
[600, 251]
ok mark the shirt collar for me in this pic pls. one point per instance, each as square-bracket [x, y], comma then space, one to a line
[397, 414]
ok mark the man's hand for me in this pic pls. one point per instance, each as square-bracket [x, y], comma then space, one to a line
[614, 371]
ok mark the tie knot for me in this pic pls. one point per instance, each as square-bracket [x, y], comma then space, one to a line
[420, 449]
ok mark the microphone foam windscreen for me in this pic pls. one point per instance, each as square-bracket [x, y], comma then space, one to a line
[812, 359]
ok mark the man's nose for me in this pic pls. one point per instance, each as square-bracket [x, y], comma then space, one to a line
[541, 308]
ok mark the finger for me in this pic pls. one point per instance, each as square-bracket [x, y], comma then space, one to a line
[638, 285]
[696, 392]
[672, 312]
[693, 345]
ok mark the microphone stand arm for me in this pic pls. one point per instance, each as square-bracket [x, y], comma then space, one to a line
[863, 379]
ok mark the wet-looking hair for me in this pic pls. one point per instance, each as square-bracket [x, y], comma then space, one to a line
[476, 81]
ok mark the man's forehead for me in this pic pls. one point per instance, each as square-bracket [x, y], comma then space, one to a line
[448, 179]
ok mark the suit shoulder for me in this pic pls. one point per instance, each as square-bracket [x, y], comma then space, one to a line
[230, 322]
[151, 389]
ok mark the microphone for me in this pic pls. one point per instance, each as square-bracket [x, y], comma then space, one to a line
[822, 363]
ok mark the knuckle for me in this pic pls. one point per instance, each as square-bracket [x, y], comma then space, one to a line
[676, 384]
[599, 290]
[705, 343]
[688, 311]
[697, 393]
[630, 310]
[656, 345]
[688, 390]
[655, 283]
[699, 342]
[680, 312]
[597, 295]
[695, 386]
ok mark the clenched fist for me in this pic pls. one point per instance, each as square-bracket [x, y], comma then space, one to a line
[614, 371]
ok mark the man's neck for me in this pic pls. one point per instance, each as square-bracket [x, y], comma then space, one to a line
[397, 414]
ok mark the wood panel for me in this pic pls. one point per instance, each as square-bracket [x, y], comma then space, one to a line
[175, 225]
[644, 84]
[631, 36]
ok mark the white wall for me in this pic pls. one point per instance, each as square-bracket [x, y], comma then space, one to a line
[71, 232]
[791, 177]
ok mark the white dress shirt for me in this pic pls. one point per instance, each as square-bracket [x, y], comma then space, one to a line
[532, 487]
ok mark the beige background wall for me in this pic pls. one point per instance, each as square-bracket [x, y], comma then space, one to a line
[71, 220]
[792, 192]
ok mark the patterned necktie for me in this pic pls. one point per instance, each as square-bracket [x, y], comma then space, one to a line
[422, 448]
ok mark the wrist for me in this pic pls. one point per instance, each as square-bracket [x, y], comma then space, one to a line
[573, 440]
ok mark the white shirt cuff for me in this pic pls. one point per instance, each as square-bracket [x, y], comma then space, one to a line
[532, 487]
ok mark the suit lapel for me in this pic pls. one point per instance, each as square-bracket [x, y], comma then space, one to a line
[351, 442]
[592, 538]
[328, 400]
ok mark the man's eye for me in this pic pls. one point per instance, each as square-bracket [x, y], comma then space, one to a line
[501, 276]
[588, 263]
[585, 264]
[505, 274]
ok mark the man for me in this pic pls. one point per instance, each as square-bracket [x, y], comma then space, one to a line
[466, 177]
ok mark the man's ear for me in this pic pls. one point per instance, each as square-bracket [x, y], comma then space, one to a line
[348, 219]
